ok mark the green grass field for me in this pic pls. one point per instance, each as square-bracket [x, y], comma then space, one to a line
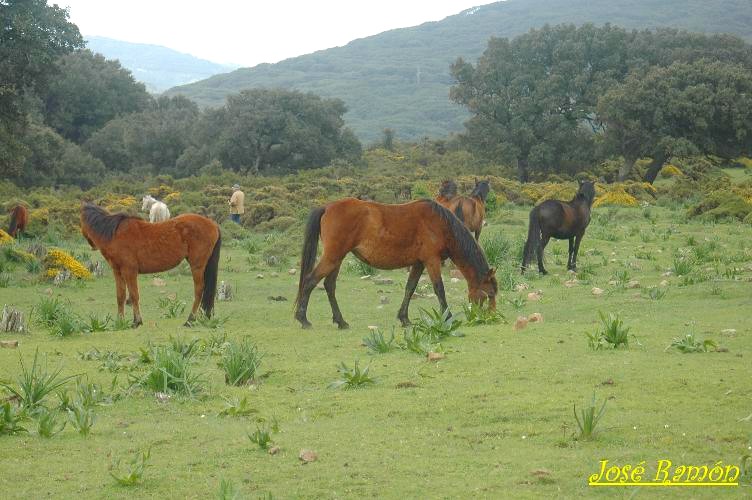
[493, 418]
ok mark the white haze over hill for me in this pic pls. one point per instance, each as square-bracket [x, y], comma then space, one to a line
[249, 33]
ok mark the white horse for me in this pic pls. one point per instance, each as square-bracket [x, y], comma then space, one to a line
[158, 211]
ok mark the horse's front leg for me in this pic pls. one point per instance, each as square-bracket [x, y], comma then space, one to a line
[131, 279]
[571, 252]
[434, 272]
[412, 282]
[577, 241]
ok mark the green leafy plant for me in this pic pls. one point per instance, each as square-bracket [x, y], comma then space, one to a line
[352, 378]
[48, 423]
[655, 293]
[236, 408]
[262, 437]
[228, 490]
[134, 471]
[67, 324]
[691, 344]
[612, 334]
[185, 348]
[10, 420]
[588, 417]
[240, 361]
[97, 324]
[48, 310]
[418, 343]
[376, 343]
[90, 395]
[517, 302]
[475, 315]
[436, 325]
[121, 323]
[682, 265]
[210, 323]
[81, 418]
[36, 384]
[171, 307]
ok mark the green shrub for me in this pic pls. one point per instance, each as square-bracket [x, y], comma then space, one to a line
[612, 334]
[352, 378]
[240, 362]
[377, 344]
[691, 344]
[10, 420]
[48, 424]
[135, 469]
[171, 372]
[36, 384]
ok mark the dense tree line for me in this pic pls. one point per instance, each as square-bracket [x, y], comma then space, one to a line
[562, 97]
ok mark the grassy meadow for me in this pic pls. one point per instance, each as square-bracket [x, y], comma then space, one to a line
[492, 418]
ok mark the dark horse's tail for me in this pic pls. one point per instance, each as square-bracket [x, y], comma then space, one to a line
[210, 278]
[458, 211]
[310, 247]
[533, 239]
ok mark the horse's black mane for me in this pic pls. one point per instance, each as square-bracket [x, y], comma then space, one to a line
[101, 222]
[466, 244]
[481, 191]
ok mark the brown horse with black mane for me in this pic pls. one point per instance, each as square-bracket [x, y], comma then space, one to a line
[133, 246]
[418, 235]
[471, 210]
[19, 218]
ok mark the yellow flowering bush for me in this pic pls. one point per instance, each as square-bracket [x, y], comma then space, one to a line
[56, 260]
[160, 192]
[5, 238]
[671, 171]
[172, 197]
[618, 197]
[40, 215]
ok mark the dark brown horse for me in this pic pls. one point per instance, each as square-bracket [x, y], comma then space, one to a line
[133, 246]
[471, 210]
[19, 218]
[563, 220]
[419, 234]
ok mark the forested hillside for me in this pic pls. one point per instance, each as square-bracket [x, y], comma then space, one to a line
[157, 67]
[400, 79]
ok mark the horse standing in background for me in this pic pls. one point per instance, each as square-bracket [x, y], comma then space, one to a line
[158, 211]
[133, 246]
[418, 235]
[563, 220]
[19, 218]
[471, 210]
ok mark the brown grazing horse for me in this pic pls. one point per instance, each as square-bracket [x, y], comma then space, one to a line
[471, 210]
[418, 234]
[563, 220]
[19, 218]
[133, 246]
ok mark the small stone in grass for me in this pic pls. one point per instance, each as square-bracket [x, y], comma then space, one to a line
[259, 276]
[521, 323]
[373, 328]
[633, 284]
[292, 271]
[159, 282]
[274, 450]
[521, 286]
[455, 280]
[9, 344]
[535, 318]
[533, 296]
[663, 283]
[307, 456]
[434, 356]
[597, 291]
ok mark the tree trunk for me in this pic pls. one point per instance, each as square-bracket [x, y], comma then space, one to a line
[655, 167]
[522, 172]
[254, 170]
[626, 169]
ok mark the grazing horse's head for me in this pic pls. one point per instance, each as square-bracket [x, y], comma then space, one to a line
[587, 191]
[148, 201]
[485, 289]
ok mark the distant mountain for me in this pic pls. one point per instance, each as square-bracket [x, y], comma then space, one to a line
[400, 79]
[159, 68]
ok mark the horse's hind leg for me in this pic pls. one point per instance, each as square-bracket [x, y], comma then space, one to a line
[412, 283]
[540, 249]
[322, 269]
[198, 290]
[330, 284]
[131, 280]
[119, 290]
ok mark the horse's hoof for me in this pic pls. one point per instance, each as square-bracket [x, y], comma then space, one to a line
[306, 325]
[343, 325]
[188, 324]
[406, 323]
[136, 324]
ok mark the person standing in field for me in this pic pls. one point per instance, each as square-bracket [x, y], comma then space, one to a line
[236, 203]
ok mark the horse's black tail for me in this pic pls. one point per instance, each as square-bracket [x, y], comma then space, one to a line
[310, 248]
[458, 212]
[210, 278]
[13, 221]
[533, 239]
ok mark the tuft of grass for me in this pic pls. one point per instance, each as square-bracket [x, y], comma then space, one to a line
[476, 314]
[517, 302]
[120, 324]
[682, 265]
[134, 472]
[81, 418]
[240, 361]
[417, 343]
[48, 310]
[691, 344]
[655, 292]
[185, 348]
[589, 417]
[376, 343]
[97, 324]
[36, 384]
[67, 324]
[228, 490]
[48, 424]
[500, 250]
[171, 372]
[352, 378]
[210, 323]
[10, 420]
[612, 334]
[171, 307]
[236, 408]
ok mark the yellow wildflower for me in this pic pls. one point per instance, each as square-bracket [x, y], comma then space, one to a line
[618, 197]
[57, 260]
[5, 238]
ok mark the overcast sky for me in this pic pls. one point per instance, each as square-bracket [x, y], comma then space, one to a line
[249, 32]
